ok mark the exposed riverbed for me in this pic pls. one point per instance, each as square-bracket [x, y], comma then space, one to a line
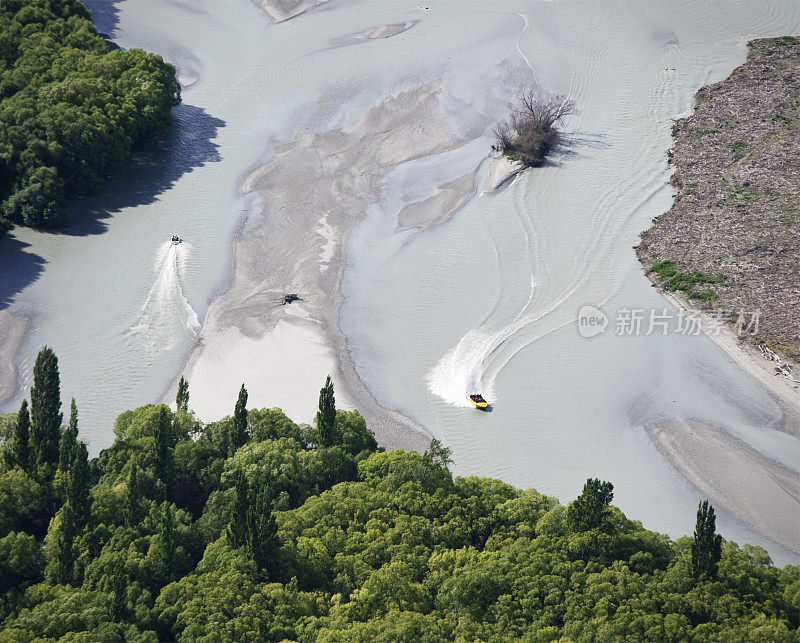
[343, 155]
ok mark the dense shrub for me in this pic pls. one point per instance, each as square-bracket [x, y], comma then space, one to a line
[284, 539]
[531, 130]
[71, 110]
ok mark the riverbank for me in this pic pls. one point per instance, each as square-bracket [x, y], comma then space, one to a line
[12, 332]
[767, 368]
[282, 10]
[716, 461]
[729, 242]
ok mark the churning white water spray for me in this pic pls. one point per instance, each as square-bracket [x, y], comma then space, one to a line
[166, 315]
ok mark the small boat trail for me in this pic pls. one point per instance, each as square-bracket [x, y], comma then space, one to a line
[166, 313]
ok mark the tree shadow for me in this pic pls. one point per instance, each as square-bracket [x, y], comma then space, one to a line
[187, 144]
[18, 268]
[105, 15]
[571, 141]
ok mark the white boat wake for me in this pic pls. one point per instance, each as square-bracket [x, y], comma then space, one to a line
[166, 315]
[474, 363]
[589, 277]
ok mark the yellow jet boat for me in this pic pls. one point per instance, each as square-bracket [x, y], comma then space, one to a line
[477, 400]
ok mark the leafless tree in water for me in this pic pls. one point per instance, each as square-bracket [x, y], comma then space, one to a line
[531, 130]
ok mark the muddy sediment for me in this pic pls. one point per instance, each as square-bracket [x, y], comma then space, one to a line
[310, 195]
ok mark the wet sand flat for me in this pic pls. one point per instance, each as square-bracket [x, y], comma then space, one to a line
[735, 477]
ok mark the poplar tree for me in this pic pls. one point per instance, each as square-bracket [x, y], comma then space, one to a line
[69, 439]
[119, 586]
[237, 529]
[168, 533]
[182, 399]
[707, 544]
[78, 495]
[18, 451]
[326, 416]
[61, 559]
[262, 531]
[163, 446]
[132, 495]
[46, 416]
[239, 430]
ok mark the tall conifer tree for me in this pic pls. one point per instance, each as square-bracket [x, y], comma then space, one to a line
[707, 544]
[61, 554]
[237, 529]
[132, 498]
[78, 495]
[69, 439]
[18, 451]
[46, 416]
[239, 432]
[182, 399]
[262, 531]
[168, 532]
[163, 446]
[326, 416]
[119, 586]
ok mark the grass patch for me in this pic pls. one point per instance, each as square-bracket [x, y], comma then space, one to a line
[706, 132]
[791, 350]
[739, 147]
[686, 282]
[789, 118]
[738, 193]
[708, 295]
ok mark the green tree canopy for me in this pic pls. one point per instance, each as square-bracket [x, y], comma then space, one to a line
[46, 415]
[71, 110]
[182, 398]
[327, 429]
[707, 544]
[289, 539]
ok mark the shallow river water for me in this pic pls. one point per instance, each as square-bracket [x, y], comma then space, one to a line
[486, 301]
